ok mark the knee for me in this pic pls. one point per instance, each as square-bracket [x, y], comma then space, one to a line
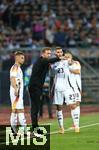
[59, 107]
[14, 111]
[72, 106]
[20, 110]
[78, 103]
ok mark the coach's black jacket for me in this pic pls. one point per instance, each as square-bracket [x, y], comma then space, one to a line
[39, 71]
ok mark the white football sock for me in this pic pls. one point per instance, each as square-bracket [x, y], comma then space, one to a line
[13, 121]
[75, 113]
[60, 118]
[22, 121]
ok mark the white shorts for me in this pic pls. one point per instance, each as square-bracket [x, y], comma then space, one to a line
[17, 103]
[72, 97]
[78, 95]
[58, 97]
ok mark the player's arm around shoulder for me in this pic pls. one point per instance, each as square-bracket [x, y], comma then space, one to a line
[77, 68]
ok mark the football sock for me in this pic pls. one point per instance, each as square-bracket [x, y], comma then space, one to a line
[60, 118]
[75, 113]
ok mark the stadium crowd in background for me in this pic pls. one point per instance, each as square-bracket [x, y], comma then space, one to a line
[33, 24]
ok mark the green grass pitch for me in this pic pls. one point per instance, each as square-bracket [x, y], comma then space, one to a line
[87, 139]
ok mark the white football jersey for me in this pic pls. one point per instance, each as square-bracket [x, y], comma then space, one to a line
[59, 81]
[75, 79]
[16, 72]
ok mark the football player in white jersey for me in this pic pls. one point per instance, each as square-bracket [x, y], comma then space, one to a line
[59, 87]
[73, 96]
[16, 93]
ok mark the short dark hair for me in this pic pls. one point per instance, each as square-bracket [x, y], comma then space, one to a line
[45, 49]
[18, 53]
[58, 48]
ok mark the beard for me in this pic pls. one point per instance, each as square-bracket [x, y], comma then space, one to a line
[21, 63]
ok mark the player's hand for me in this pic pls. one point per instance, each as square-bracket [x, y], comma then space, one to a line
[62, 58]
[71, 71]
[16, 92]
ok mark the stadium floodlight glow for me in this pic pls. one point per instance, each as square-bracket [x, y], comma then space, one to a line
[11, 139]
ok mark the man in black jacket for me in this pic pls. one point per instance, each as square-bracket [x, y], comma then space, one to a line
[39, 70]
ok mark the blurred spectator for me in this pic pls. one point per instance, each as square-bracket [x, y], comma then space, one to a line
[16, 2]
[96, 39]
[49, 36]
[70, 40]
[38, 30]
[3, 6]
[44, 6]
[25, 23]
[27, 75]
[60, 37]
